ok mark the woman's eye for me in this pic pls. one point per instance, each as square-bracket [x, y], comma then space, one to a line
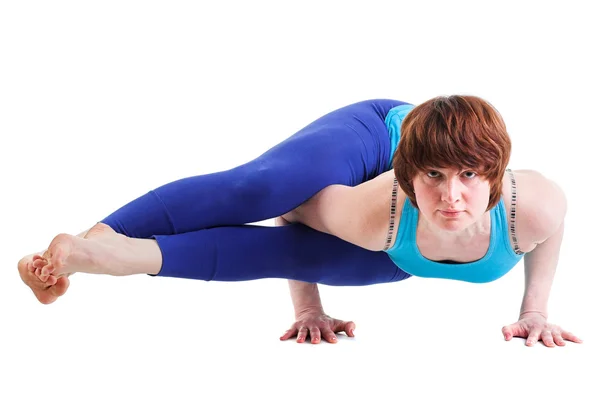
[470, 174]
[432, 174]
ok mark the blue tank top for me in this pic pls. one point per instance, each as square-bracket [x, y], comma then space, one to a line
[393, 121]
[499, 259]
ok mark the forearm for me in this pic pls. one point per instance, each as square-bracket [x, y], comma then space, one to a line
[540, 268]
[305, 296]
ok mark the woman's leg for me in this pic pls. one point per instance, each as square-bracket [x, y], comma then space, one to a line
[241, 253]
[238, 253]
[347, 146]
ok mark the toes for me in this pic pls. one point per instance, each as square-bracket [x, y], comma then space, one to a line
[40, 275]
[51, 280]
[49, 294]
[30, 267]
[47, 270]
[60, 288]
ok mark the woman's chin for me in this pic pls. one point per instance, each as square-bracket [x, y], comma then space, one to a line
[452, 224]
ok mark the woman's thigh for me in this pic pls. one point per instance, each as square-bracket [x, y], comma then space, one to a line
[347, 146]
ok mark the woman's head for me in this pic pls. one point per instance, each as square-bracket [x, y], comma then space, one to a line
[443, 142]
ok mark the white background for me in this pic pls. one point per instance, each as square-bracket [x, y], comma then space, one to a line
[102, 101]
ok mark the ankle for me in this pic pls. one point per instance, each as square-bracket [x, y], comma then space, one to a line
[145, 256]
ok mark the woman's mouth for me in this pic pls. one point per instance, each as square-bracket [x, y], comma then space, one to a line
[450, 213]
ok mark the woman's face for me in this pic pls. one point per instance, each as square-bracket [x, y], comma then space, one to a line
[440, 191]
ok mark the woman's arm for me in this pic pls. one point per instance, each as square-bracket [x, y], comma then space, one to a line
[334, 209]
[359, 214]
[545, 226]
[305, 296]
[311, 320]
[540, 268]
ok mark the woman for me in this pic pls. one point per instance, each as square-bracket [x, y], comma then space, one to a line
[367, 205]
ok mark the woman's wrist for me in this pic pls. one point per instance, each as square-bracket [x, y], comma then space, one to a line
[305, 297]
[300, 313]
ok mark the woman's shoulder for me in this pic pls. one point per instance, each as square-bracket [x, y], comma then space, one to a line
[541, 206]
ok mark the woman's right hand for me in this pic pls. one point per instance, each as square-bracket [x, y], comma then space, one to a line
[316, 325]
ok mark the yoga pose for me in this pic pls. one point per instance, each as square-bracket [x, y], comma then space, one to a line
[373, 192]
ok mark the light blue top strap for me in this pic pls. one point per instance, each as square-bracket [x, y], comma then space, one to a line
[393, 121]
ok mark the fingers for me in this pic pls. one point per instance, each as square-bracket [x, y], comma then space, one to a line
[349, 328]
[533, 337]
[329, 335]
[343, 326]
[556, 336]
[302, 332]
[510, 331]
[289, 333]
[569, 336]
[315, 334]
[551, 337]
[547, 338]
[319, 328]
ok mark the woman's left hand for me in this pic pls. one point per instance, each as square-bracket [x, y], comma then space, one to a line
[533, 326]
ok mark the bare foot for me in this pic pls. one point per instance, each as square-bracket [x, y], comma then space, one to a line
[46, 292]
[100, 251]
[35, 270]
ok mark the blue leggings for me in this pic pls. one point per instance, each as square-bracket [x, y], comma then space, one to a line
[199, 221]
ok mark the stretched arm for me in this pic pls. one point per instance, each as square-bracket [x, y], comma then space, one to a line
[546, 228]
[305, 296]
[540, 268]
[311, 319]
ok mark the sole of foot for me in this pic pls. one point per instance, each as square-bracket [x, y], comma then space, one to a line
[37, 270]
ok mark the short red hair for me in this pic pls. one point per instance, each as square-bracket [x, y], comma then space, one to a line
[456, 131]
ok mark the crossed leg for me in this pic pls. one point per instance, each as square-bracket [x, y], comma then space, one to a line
[190, 222]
